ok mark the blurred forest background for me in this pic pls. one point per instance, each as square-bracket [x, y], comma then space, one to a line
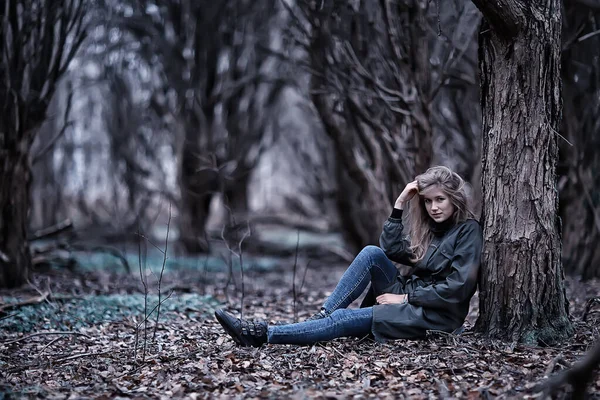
[249, 136]
[312, 115]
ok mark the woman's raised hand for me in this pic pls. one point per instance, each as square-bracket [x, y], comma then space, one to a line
[407, 194]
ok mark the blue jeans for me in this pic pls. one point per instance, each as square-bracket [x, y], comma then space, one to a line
[370, 265]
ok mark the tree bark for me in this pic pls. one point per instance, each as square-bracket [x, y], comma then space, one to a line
[522, 295]
[15, 178]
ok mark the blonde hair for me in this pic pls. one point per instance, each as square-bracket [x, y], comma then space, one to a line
[419, 220]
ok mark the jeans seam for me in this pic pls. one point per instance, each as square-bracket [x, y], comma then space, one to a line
[365, 271]
[382, 270]
[317, 330]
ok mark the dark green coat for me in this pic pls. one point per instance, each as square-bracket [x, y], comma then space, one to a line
[439, 287]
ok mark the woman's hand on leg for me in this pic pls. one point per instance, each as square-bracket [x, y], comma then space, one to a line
[390, 298]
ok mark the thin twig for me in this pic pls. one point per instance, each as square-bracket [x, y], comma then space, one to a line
[161, 273]
[154, 308]
[230, 251]
[304, 277]
[34, 300]
[50, 344]
[294, 275]
[333, 347]
[246, 234]
[546, 113]
[229, 263]
[73, 357]
[8, 316]
[149, 241]
[45, 333]
[142, 278]
[588, 35]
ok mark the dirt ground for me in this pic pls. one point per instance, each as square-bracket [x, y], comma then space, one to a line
[84, 336]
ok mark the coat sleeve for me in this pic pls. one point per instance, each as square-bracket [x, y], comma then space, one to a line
[460, 284]
[392, 240]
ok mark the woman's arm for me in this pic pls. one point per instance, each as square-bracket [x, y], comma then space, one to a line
[395, 246]
[460, 285]
[392, 240]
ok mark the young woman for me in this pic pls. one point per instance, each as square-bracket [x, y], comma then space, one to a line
[444, 250]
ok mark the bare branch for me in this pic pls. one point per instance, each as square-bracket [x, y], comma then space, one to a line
[588, 35]
[578, 377]
[297, 20]
[66, 124]
[504, 16]
[34, 300]
[52, 230]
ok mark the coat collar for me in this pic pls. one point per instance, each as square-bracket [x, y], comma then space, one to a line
[439, 234]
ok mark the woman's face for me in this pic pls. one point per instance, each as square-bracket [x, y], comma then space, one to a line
[437, 203]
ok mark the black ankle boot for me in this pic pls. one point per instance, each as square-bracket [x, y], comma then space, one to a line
[245, 333]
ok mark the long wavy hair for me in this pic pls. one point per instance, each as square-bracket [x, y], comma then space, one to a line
[420, 221]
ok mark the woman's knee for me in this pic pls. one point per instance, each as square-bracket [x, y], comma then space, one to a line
[350, 318]
[372, 251]
[375, 254]
[338, 314]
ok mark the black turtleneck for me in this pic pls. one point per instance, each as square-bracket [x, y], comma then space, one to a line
[437, 229]
[440, 229]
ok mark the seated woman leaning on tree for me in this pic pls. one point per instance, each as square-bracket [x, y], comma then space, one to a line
[444, 250]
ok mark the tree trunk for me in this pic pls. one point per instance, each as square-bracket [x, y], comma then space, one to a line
[197, 183]
[236, 194]
[30, 66]
[15, 178]
[522, 292]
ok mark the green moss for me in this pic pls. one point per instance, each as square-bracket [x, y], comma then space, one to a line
[550, 334]
[77, 313]
[153, 259]
[26, 392]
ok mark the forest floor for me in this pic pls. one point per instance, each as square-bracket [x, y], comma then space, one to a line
[81, 334]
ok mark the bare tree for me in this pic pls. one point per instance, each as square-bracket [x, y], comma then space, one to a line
[102, 128]
[38, 40]
[579, 181]
[522, 295]
[224, 87]
[369, 83]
